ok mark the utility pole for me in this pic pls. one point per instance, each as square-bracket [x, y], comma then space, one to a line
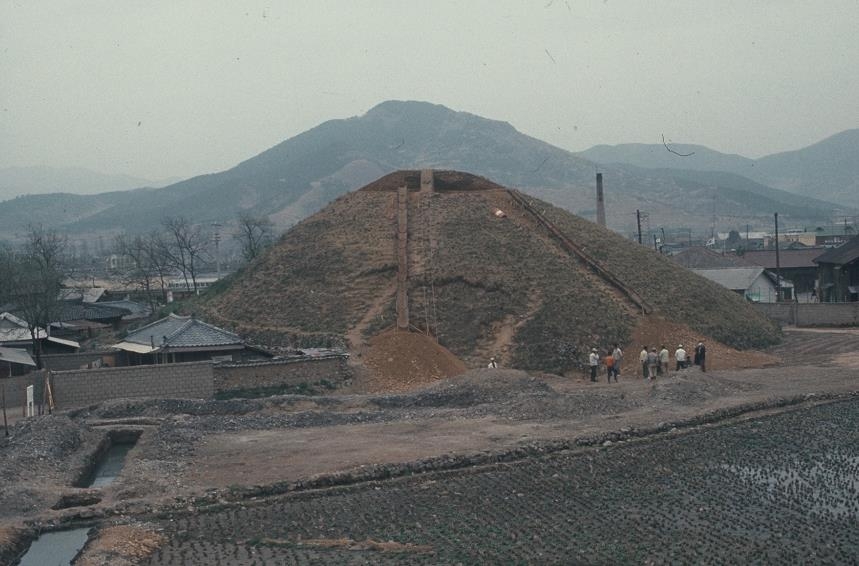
[217, 238]
[638, 219]
[777, 263]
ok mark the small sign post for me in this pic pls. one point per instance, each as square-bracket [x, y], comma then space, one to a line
[31, 404]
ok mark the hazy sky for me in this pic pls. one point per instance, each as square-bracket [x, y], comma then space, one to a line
[170, 88]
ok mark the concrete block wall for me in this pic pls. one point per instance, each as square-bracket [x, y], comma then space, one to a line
[812, 314]
[80, 360]
[280, 373]
[827, 314]
[78, 388]
[780, 312]
[16, 390]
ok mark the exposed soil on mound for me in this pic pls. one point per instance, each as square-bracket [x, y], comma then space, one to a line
[654, 331]
[443, 181]
[399, 361]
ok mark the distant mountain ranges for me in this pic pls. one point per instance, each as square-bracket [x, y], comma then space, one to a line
[299, 176]
[17, 181]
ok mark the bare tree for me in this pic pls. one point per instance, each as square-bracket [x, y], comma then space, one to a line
[32, 280]
[156, 250]
[254, 234]
[138, 269]
[187, 249]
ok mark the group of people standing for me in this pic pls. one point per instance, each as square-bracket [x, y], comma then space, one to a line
[612, 361]
[653, 362]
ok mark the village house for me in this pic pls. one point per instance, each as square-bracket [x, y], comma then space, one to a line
[795, 265]
[826, 236]
[15, 361]
[15, 333]
[756, 284]
[176, 339]
[838, 273]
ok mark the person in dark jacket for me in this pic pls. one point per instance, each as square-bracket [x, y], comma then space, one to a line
[701, 356]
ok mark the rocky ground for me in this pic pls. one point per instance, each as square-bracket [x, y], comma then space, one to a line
[318, 477]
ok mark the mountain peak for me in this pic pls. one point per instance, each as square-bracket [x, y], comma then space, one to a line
[408, 107]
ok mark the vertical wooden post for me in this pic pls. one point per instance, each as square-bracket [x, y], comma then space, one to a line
[402, 258]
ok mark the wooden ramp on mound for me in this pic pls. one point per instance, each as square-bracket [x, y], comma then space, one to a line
[399, 361]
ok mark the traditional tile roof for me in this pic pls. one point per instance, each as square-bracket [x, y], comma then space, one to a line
[182, 332]
[734, 278]
[788, 259]
[68, 310]
[844, 254]
[135, 310]
[699, 257]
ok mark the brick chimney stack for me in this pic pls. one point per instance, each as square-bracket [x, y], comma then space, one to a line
[600, 201]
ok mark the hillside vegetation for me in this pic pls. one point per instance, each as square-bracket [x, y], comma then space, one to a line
[482, 284]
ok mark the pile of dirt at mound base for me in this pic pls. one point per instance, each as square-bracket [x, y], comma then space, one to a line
[399, 361]
[654, 331]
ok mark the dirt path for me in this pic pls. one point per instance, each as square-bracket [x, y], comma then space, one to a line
[504, 331]
[568, 409]
[355, 336]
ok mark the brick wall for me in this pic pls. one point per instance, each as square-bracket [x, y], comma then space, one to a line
[333, 369]
[813, 314]
[78, 388]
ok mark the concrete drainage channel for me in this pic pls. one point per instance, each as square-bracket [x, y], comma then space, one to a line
[109, 459]
[59, 547]
[63, 546]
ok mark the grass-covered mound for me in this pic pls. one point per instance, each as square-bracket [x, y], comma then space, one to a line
[483, 283]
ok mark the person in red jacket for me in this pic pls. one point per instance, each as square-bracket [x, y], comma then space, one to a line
[610, 368]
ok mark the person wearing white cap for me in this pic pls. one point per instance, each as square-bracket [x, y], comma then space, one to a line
[492, 364]
[680, 356]
[594, 362]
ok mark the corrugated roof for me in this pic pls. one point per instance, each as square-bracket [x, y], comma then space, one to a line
[734, 278]
[841, 255]
[64, 342]
[16, 356]
[176, 332]
[788, 259]
[136, 348]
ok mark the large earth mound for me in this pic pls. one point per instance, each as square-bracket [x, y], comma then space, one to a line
[491, 272]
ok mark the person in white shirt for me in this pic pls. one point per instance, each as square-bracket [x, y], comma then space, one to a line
[663, 361]
[642, 357]
[594, 362]
[492, 364]
[617, 354]
[680, 356]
